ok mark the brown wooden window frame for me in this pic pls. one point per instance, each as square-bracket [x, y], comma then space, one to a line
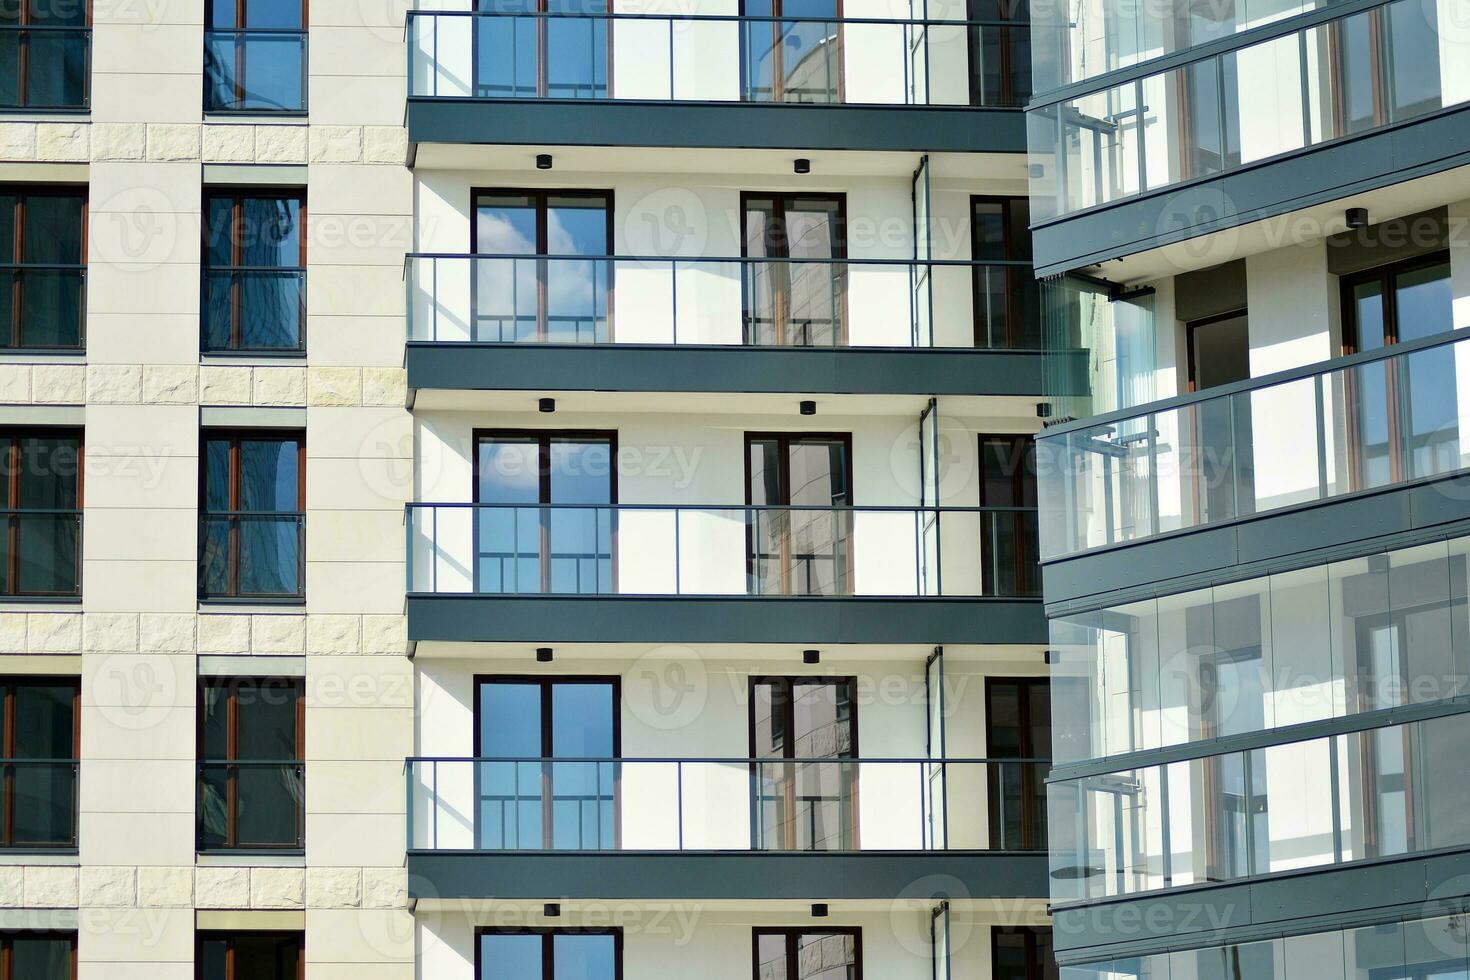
[23, 192]
[1040, 963]
[778, 28]
[241, 24]
[15, 435]
[792, 937]
[7, 949]
[237, 236]
[235, 437]
[215, 935]
[232, 685]
[784, 441]
[8, 685]
[778, 246]
[23, 67]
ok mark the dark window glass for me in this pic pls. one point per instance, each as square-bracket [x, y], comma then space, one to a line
[528, 804]
[1204, 130]
[254, 272]
[252, 527]
[549, 954]
[1018, 726]
[804, 805]
[1000, 53]
[1009, 529]
[1006, 297]
[40, 772]
[816, 954]
[43, 55]
[1022, 953]
[254, 56]
[250, 769]
[38, 956]
[250, 955]
[1359, 72]
[42, 494]
[1219, 351]
[43, 283]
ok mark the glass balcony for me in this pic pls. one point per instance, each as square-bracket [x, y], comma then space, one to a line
[255, 70]
[499, 299]
[1378, 793]
[45, 64]
[1359, 423]
[633, 549]
[40, 803]
[1329, 82]
[251, 804]
[604, 804]
[252, 555]
[717, 58]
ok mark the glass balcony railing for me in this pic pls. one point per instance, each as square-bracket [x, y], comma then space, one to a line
[604, 804]
[723, 301]
[45, 66]
[1394, 63]
[41, 555]
[717, 58]
[255, 70]
[1372, 420]
[252, 555]
[1379, 793]
[39, 804]
[44, 306]
[634, 549]
[251, 804]
[254, 309]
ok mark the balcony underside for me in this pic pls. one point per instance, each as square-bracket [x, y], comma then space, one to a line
[723, 619]
[692, 368]
[1300, 902]
[721, 125]
[715, 875]
[1291, 537]
[1313, 176]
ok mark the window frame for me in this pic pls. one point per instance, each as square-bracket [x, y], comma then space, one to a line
[787, 683]
[540, 200]
[1190, 327]
[233, 553]
[781, 298]
[10, 511]
[23, 27]
[543, 49]
[8, 685]
[1027, 566]
[784, 442]
[1014, 252]
[18, 264]
[237, 195]
[7, 946]
[548, 944]
[1036, 963]
[1010, 40]
[231, 684]
[792, 936]
[1385, 276]
[1033, 784]
[229, 936]
[238, 91]
[778, 70]
[546, 682]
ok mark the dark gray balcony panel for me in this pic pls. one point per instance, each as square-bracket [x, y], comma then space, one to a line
[1299, 180]
[722, 619]
[1289, 904]
[638, 367]
[665, 875]
[717, 125]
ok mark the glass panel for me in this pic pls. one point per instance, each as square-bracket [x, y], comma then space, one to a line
[1358, 74]
[577, 291]
[507, 956]
[254, 70]
[1444, 744]
[822, 956]
[583, 808]
[42, 957]
[1208, 819]
[583, 957]
[270, 554]
[267, 720]
[266, 957]
[214, 817]
[49, 550]
[770, 956]
[1413, 68]
[269, 474]
[510, 814]
[507, 61]
[1371, 951]
[45, 721]
[1220, 351]
[576, 51]
[1374, 795]
[268, 800]
[53, 229]
[1435, 949]
[51, 308]
[1299, 832]
[1424, 304]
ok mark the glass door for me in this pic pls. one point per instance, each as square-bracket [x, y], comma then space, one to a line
[799, 535]
[529, 801]
[1017, 726]
[553, 527]
[804, 800]
[798, 295]
[792, 50]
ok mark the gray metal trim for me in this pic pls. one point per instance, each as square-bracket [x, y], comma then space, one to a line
[723, 619]
[699, 368]
[723, 125]
[1280, 185]
[1316, 900]
[1281, 540]
[750, 875]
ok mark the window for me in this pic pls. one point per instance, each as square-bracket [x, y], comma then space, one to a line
[795, 285]
[251, 956]
[528, 803]
[38, 956]
[43, 501]
[254, 271]
[559, 57]
[1008, 524]
[790, 60]
[1393, 303]
[1022, 953]
[43, 55]
[549, 954]
[530, 281]
[1000, 54]
[251, 769]
[806, 801]
[1006, 296]
[43, 233]
[816, 954]
[546, 520]
[1017, 726]
[799, 530]
[254, 494]
[1219, 351]
[40, 768]
[255, 56]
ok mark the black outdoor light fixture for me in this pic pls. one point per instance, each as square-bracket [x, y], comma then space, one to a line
[802, 165]
[543, 655]
[546, 406]
[809, 408]
[552, 910]
[543, 161]
[811, 656]
[819, 910]
[1357, 217]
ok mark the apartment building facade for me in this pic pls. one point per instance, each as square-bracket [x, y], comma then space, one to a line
[1252, 527]
[521, 492]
